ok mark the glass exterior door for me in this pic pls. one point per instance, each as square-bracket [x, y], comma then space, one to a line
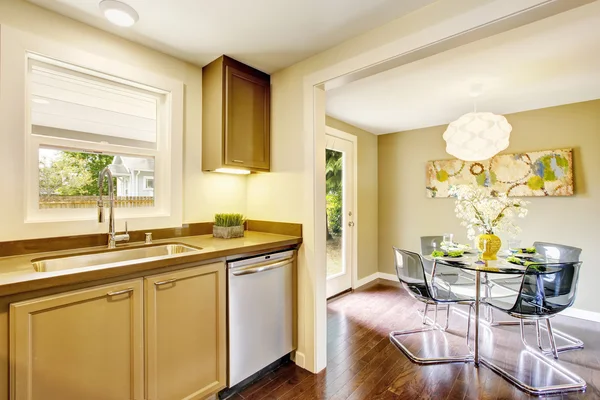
[339, 190]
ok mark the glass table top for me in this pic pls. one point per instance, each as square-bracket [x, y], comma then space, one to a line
[471, 262]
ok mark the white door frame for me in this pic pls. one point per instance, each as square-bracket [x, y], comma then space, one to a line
[487, 20]
[354, 140]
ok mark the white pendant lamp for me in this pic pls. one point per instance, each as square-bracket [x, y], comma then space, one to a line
[477, 136]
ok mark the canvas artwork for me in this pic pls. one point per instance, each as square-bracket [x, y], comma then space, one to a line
[538, 173]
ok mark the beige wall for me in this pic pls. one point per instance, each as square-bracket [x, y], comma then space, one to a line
[204, 193]
[366, 194]
[405, 213]
[290, 192]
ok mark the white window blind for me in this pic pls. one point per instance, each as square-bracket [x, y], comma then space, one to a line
[73, 105]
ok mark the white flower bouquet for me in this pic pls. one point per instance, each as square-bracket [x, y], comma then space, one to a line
[482, 213]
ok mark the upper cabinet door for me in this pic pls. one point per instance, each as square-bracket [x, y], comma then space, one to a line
[86, 344]
[186, 333]
[247, 120]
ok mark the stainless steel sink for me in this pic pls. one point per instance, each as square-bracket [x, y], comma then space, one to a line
[134, 254]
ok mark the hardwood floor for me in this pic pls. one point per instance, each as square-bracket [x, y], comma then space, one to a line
[363, 364]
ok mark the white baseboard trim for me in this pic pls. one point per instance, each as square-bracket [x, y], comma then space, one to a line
[366, 279]
[388, 277]
[372, 277]
[581, 314]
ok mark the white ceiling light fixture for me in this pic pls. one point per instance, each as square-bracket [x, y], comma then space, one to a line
[477, 136]
[119, 13]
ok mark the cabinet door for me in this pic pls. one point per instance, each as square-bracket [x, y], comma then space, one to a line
[185, 333]
[86, 344]
[247, 120]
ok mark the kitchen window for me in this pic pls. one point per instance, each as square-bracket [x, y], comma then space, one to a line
[81, 121]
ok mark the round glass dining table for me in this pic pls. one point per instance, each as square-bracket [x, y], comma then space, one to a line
[471, 262]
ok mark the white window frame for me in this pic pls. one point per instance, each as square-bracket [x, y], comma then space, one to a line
[16, 49]
[145, 183]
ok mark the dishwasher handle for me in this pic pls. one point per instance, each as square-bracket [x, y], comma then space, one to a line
[256, 268]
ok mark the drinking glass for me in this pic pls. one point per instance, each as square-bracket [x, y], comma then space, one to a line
[447, 240]
[514, 245]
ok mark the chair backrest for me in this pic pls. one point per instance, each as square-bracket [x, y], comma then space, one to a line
[430, 243]
[547, 288]
[411, 273]
[558, 252]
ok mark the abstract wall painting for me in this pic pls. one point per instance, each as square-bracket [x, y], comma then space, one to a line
[537, 173]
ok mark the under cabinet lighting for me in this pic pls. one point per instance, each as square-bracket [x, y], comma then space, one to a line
[232, 171]
[119, 13]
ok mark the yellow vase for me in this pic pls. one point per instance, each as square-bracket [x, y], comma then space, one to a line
[489, 245]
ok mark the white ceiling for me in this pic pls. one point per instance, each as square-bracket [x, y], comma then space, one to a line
[551, 62]
[267, 34]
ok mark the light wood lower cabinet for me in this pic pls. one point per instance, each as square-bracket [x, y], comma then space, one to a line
[94, 344]
[185, 333]
[86, 344]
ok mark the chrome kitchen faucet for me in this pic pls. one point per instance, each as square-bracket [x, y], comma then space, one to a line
[113, 238]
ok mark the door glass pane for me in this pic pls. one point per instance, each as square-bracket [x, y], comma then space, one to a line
[335, 219]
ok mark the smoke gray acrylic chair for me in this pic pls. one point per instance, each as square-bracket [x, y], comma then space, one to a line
[561, 254]
[546, 290]
[422, 285]
[452, 276]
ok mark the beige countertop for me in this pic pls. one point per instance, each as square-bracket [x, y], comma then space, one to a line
[17, 274]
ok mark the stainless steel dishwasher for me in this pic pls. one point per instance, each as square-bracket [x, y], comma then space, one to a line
[261, 312]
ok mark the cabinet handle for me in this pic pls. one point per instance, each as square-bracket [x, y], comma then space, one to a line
[238, 161]
[118, 292]
[165, 282]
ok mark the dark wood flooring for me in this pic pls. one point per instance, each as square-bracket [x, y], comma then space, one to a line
[363, 364]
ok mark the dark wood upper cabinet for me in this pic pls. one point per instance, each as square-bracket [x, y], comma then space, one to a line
[236, 116]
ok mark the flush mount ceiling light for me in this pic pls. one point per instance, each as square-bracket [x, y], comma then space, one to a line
[477, 136]
[119, 13]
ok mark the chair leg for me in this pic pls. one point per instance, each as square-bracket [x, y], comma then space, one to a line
[425, 313]
[447, 318]
[469, 328]
[421, 360]
[575, 344]
[522, 328]
[551, 338]
[576, 384]
[539, 335]
[431, 326]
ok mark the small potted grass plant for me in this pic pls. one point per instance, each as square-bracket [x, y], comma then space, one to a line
[228, 226]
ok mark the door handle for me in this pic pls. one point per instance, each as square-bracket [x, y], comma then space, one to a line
[165, 282]
[118, 292]
[351, 224]
[254, 269]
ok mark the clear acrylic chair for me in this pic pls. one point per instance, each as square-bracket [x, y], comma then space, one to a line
[421, 283]
[558, 253]
[545, 290]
